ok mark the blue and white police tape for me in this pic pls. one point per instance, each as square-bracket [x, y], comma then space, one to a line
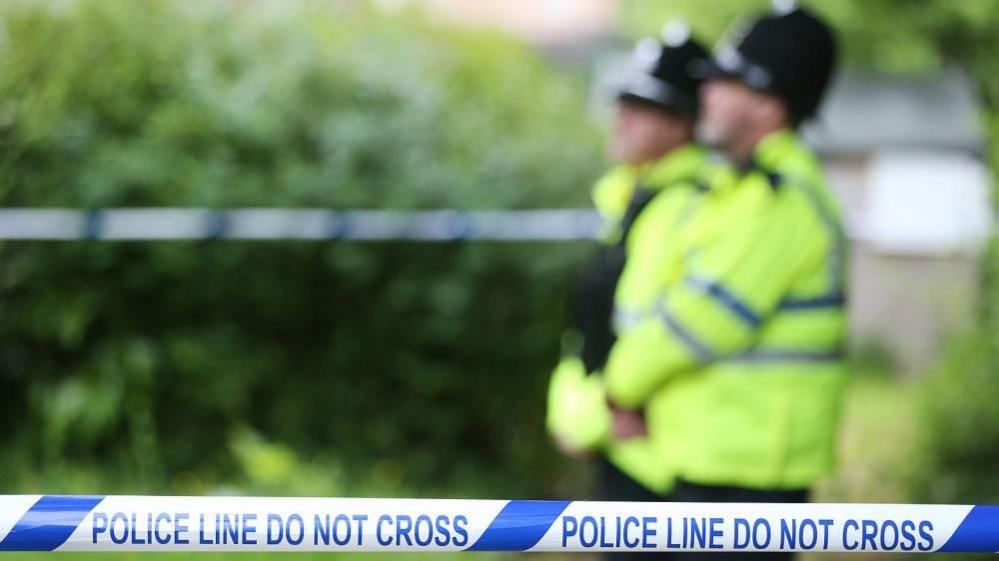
[151, 224]
[114, 523]
[123, 224]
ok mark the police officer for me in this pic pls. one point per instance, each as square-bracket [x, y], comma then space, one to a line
[660, 171]
[739, 370]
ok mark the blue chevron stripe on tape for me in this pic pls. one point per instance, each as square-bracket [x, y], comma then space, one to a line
[977, 533]
[48, 523]
[519, 526]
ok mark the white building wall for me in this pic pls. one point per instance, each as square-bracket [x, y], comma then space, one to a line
[918, 221]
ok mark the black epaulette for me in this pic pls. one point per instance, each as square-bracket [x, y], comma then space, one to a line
[775, 179]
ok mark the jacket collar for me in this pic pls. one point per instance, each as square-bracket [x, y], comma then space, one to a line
[774, 149]
[686, 163]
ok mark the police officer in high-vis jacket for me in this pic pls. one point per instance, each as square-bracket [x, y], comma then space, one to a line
[738, 365]
[662, 172]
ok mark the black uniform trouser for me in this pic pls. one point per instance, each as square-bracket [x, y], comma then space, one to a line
[616, 486]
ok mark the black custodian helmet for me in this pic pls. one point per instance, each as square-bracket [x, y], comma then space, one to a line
[667, 73]
[790, 53]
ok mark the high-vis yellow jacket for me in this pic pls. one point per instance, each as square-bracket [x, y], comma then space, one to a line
[577, 409]
[734, 349]
[679, 175]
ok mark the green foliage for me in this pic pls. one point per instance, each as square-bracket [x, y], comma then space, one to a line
[708, 19]
[959, 433]
[192, 363]
[959, 414]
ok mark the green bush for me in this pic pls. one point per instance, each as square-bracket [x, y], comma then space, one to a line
[180, 364]
[959, 425]
[958, 446]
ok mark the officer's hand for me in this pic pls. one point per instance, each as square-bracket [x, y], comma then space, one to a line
[578, 417]
[628, 424]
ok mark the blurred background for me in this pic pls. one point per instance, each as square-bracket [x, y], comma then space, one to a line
[419, 369]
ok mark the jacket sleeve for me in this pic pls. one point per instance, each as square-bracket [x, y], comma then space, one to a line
[726, 290]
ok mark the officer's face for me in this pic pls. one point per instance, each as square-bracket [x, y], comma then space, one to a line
[725, 108]
[644, 133]
[732, 113]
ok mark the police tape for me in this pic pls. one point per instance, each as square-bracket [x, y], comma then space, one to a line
[123, 224]
[148, 523]
[150, 224]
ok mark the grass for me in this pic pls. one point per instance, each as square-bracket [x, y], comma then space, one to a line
[875, 442]
[875, 449]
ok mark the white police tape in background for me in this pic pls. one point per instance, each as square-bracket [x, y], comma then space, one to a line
[150, 224]
[123, 224]
[113, 523]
